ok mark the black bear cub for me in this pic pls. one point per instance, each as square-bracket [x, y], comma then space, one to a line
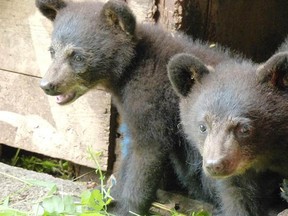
[236, 115]
[100, 44]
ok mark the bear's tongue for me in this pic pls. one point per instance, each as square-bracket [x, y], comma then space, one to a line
[65, 98]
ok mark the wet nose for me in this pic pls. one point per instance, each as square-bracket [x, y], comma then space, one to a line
[48, 87]
[216, 167]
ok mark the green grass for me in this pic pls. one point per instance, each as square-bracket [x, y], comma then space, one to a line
[58, 168]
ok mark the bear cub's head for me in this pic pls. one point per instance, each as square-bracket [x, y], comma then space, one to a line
[91, 44]
[236, 113]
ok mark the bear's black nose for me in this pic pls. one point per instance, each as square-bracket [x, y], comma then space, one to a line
[48, 87]
[216, 167]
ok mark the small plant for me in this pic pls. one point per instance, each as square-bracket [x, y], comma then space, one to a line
[5, 209]
[92, 203]
[40, 163]
[89, 203]
[201, 213]
[54, 167]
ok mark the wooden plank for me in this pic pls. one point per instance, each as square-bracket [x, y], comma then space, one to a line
[143, 9]
[170, 14]
[18, 22]
[32, 121]
[255, 28]
[28, 118]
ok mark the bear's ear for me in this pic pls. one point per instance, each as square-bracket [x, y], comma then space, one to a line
[49, 8]
[275, 71]
[184, 70]
[117, 13]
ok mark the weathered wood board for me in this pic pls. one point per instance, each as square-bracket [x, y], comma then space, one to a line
[255, 28]
[31, 120]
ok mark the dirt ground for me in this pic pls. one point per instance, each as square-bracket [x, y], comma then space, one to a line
[14, 183]
[22, 196]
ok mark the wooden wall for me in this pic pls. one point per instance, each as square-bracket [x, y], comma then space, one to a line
[31, 120]
[255, 28]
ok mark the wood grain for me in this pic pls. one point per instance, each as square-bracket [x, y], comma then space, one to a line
[31, 120]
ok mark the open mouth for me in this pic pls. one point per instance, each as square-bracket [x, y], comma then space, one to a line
[220, 176]
[65, 98]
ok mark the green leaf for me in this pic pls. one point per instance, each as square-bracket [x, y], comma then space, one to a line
[49, 185]
[69, 205]
[92, 214]
[96, 194]
[60, 205]
[93, 200]
[6, 201]
[96, 200]
[52, 190]
[108, 201]
[85, 196]
[6, 211]
[201, 213]
[53, 204]
[38, 209]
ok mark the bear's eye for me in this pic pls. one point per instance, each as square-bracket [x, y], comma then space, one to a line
[202, 128]
[78, 58]
[52, 52]
[244, 130]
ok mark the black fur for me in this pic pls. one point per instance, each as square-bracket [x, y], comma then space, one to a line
[49, 8]
[281, 57]
[94, 44]
[237, 119]
[274, 71]
[190, 72]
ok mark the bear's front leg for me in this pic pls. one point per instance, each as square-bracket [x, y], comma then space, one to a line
[138, 180]
[241, 196]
